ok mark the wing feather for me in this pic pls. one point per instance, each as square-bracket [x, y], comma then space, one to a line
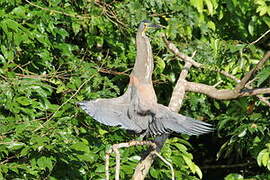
[168, 121]
[111, 112]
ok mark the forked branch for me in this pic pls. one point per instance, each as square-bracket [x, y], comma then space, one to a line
[115, 148]
[182, 86]
[223, 94]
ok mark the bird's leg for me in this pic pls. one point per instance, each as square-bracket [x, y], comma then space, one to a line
[160, 140]
[142, 135]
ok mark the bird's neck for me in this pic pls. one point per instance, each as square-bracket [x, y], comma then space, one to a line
[144, 64]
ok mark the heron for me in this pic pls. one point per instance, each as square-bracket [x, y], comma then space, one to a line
[137, 109]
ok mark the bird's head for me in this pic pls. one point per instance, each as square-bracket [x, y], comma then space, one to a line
[145, 25]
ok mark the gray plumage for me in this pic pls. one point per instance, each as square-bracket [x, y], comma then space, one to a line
[137, 109]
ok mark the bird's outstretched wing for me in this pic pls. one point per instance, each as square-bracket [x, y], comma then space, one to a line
[111, 112]
[166, 121]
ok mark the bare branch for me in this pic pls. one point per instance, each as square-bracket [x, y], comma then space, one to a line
[108, 71]
[217, 84]
[228, 75]
[186, 58]
[165, 161]
[58, 12]
[246, 78]
[223, 94]
[250, 82]
[107, 164]
[229, 166]
[143, 167]
[257, 40]
[117, 166]
[179, 90]
[115, 148]
[182, 56]
[264, 99]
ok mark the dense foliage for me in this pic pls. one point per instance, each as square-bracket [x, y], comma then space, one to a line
[56, 53]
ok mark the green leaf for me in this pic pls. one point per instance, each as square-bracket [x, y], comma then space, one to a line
[198, 4]
[190, 164]
[209, 7]
[211, 25]
[15, 145]
[265, 158]
[198, 171]
[8, 54]
[160, 64]
[263, 75]
[19, 11]
[268, 165]
[76, 27]
[243, 133]
[12, 24]
[154, 173]
[260, 156]
[100, 168]
[23, 101]
[234, 176]
[181, 147]
[45, 162]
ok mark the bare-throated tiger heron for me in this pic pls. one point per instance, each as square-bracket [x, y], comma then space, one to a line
[137, 109]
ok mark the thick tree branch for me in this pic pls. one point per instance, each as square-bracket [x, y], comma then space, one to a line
[179, 89]
[223, 94]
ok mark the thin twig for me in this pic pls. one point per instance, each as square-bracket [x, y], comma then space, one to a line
[42, 125]
[117, 160]
[251, 81]
[8, 159]
[58, 12]
[108, 71]
[264, 34]
[246, 78]
[110, 14]
[107, 163]
[186, 58]
[218, 83]
[263, 99]
[225, 166]
[165, 161]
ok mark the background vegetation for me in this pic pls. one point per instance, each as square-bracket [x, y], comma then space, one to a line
[56, 53]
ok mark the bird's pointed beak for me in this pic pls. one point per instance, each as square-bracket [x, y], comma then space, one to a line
[154, 26]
